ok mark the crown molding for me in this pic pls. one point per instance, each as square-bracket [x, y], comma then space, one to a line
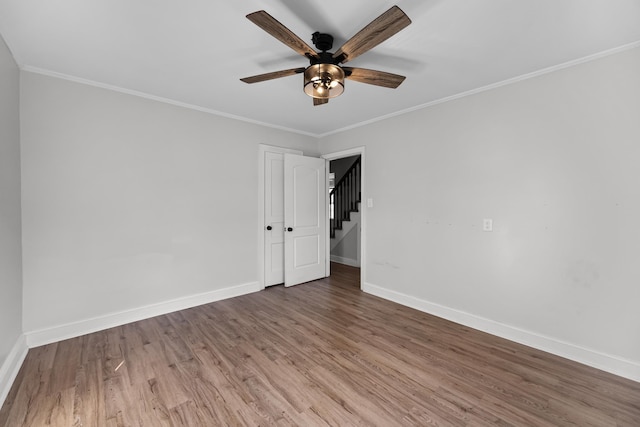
[491, 86]
[464, 94]
[80, 80]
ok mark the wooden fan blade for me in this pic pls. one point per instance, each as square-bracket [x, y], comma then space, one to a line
[272, 26]
[320, 101]
[373, 77]
[273, 75]
[380, 29]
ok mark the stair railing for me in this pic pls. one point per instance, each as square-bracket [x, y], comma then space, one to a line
[345, 196]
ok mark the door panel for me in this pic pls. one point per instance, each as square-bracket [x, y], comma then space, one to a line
[307, 249]
[305, 218]
[274, 218]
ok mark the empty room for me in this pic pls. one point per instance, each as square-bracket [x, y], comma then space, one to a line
[393, 213]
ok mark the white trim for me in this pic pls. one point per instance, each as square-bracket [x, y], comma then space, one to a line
[11, 366]
[327, 220]
[344, 153]
[488, 87]
[87, 326]
[144, 95]
[263, 149]
[363, 212]
[616, 365]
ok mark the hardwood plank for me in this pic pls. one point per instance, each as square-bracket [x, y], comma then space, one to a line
[322, 353]
[89, 400]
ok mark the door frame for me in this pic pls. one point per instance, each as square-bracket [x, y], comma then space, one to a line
[262, 150]
[363, 214]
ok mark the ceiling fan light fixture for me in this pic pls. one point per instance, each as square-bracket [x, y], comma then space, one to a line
[323, 81]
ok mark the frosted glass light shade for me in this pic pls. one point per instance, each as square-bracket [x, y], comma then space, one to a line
[323, 81]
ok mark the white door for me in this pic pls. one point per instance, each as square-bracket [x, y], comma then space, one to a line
[274, 218]
[305, 223]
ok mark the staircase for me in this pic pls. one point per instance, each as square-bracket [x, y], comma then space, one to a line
[348, 226]
[345, 197]
[345, 217]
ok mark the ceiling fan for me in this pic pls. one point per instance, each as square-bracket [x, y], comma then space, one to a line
[324, 77]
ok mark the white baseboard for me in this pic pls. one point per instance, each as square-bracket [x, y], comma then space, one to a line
[11, 366]
[613, 364]
[345, 261]
[87, 326]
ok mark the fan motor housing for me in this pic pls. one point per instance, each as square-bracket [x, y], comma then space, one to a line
[323, 58]
[323, 42]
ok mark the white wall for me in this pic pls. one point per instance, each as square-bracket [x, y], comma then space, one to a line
[129, 202]
[10, 237]
[555, 162]
[346, 250]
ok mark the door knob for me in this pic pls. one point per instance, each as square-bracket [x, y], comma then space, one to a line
[269, 227]
[289, 229]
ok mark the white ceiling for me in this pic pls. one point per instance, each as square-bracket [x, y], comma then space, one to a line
[193, 52]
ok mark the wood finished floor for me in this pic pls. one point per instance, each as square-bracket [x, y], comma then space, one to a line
[322, 353]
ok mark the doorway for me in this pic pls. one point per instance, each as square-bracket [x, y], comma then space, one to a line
[345, 210]
[263, 263]
[357, 232]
